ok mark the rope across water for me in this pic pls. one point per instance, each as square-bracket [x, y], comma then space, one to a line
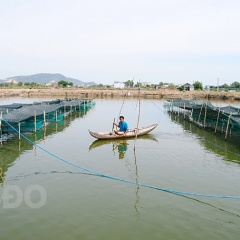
[120, 179]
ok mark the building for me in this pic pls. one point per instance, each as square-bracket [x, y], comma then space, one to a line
[145, 84]
[50, 83]
[118, 85]
[11, 81]
[185, 87]
[207, 88]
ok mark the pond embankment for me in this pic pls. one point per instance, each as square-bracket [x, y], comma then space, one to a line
[117, 93]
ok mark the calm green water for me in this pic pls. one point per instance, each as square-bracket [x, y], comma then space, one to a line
[60, 201]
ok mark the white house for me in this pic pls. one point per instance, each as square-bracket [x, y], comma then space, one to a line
[118, 85]
[11, 81]
[50, 83]
[144, 84]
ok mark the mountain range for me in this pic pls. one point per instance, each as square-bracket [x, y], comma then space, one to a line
[43, 78]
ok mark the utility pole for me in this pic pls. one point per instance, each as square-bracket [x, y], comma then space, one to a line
[217, 84]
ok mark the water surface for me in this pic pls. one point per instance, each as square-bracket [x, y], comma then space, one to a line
[79, 205]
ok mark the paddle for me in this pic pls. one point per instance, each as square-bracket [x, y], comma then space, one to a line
[113, 124]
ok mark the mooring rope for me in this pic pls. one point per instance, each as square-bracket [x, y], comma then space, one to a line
[120, 179]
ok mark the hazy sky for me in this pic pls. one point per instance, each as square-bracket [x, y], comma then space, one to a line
[115, 40]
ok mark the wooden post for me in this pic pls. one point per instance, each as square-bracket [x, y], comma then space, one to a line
[200, 113]
[205, 115]
[44, 118]
[227, 125]
[19, 131]
[184, 110]
[1, 126]
[56, 116]
[35, 121]
[217, 119]
[222, 122]
[191, 118]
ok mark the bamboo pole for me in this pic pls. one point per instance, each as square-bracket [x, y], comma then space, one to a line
[56, 115]
[35, 121]
[44, 118]
[184, 110]
[191, 118]
[19, 131]
[200, 113]
[205, 116]
[227, 126]
[222, 123]
[217, 119]
[138, 119]
[1, 125]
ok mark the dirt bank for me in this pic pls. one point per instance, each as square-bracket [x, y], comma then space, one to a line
[116, 93]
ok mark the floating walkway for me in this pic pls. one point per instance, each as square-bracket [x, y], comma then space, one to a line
[224, 119]
[32, 117]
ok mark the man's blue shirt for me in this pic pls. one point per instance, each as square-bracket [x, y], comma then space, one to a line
[123, 126]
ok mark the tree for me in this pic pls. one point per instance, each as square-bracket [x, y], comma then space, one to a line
[100, 85]
[161, 84]
[198, 86]
[225, 86]
[235, 85]
[64, 83]
[129, 83]
[171, 86]
[138, 84]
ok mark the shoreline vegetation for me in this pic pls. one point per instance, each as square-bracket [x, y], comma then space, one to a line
[117, 93]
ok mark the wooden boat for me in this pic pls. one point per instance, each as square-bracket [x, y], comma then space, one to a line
[130, 133]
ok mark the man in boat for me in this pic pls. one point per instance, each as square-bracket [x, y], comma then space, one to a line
[122, 125]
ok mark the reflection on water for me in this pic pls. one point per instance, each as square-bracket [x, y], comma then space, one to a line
[1, 176]
[83, 206]
[99, 143]
[13, 148]
[121, 146]
[214, 142]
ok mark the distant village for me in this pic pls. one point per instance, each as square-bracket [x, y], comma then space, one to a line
[11, 82]
[181, 86]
